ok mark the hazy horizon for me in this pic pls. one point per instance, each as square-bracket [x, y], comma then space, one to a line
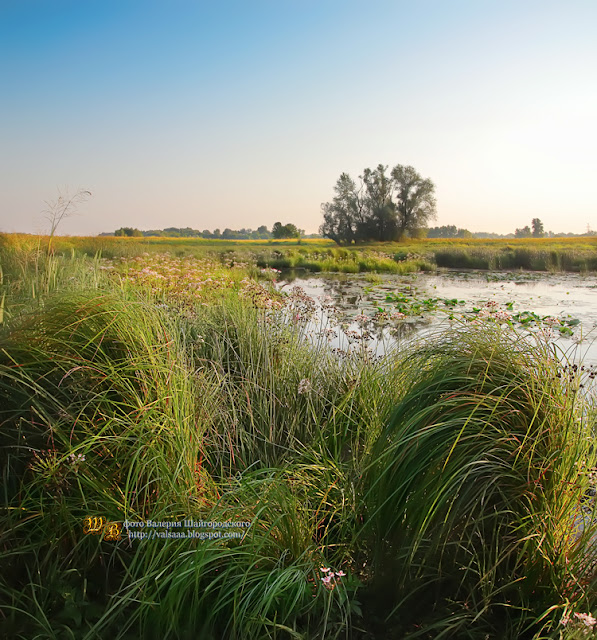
[241, 115]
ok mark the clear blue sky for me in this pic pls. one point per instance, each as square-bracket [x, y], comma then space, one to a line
[237, 114]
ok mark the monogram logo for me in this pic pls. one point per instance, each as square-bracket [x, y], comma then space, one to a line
[93, 525]
[112, 531]
[98, 525]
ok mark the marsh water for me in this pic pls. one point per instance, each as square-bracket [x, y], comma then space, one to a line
[562, 305]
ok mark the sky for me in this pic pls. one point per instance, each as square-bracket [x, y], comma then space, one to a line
[243, 113]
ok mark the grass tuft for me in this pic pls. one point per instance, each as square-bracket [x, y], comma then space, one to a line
[474, 485]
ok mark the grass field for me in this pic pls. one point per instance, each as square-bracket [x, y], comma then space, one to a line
[543, 254]
[435, 493]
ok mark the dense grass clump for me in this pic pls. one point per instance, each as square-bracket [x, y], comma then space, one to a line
[279, 396]
[341, 260]
[474, 490]
[98, 415]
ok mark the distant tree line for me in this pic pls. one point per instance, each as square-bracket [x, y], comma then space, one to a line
[175, 232]
[261, 233]
[289, 230]
[448, 231]
[536, 230]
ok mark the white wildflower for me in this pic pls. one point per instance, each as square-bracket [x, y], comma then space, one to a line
[304, 386]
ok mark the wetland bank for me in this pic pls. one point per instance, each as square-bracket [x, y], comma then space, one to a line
[430, 487]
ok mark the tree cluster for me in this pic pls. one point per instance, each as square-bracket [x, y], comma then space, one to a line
[128, 232]
[537, 232]
[448, 231]
[380, 206]
[289, 230]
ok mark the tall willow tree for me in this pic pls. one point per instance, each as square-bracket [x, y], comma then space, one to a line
[381, 206]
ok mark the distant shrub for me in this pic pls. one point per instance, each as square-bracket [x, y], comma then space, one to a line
[462, 259]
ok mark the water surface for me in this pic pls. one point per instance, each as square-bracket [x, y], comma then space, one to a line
[571, 299]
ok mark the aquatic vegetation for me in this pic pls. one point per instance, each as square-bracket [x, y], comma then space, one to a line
[411, 302]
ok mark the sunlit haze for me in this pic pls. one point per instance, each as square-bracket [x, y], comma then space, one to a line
[240, 114]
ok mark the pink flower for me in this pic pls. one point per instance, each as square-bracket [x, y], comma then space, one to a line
[587, 618]
[503, 315]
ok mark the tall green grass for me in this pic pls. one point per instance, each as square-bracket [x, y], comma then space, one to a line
[453, 471]
[27, 276]
[199, 419]
[475, 486]
[507, 257]
[104, 378]
[341, 260]
[259, 364]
